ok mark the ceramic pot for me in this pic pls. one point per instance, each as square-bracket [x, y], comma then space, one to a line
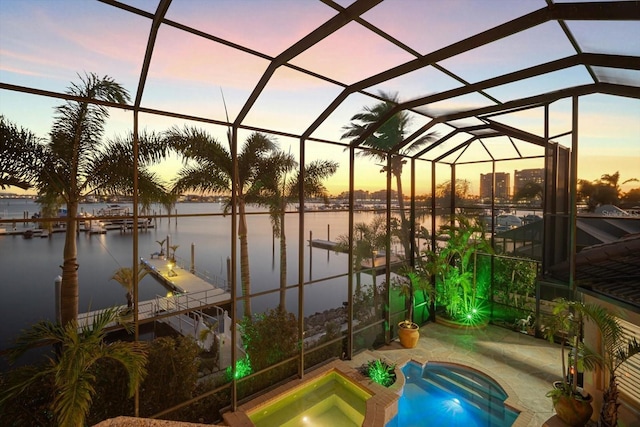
[408, 333]
[574, 412]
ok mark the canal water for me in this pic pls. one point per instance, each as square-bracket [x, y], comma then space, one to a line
[28, 267]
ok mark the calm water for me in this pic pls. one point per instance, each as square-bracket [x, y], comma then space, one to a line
[28, 267]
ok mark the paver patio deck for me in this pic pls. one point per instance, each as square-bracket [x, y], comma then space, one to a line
[526, 364]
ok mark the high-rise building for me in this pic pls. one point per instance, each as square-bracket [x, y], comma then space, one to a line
[521, 177]
[502, 190]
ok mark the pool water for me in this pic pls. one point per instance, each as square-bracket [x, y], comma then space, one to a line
[331, 400]
[440, 394]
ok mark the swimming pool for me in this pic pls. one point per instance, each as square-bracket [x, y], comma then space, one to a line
[443, 394]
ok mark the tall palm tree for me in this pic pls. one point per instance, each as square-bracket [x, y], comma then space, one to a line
[76, 162]
[124, 276]
[282, 189]
[382, 144]
[209, 168]
[72, 368]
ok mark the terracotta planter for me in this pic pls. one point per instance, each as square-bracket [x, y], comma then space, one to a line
[574, 412]
[408, 333]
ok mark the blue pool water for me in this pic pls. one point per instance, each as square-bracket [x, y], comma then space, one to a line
[447, 395]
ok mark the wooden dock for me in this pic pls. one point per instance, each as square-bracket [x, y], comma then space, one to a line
[379, 263]
[325, 244]
[178, 279]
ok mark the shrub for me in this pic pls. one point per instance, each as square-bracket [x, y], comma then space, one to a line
[380, 372]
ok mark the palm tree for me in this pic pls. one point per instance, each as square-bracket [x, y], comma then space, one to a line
[209, 168]
[161, 244]
[72, 369]
[75, 162]
[369, 239]
[283, 189]
[383, 143]
[124, 276]
[18, 148]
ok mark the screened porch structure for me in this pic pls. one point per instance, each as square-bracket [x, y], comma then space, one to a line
[496, 88]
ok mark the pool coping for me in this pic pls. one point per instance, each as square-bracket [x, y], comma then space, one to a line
[381, 407]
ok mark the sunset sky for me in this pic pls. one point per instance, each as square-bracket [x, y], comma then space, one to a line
[45, 44]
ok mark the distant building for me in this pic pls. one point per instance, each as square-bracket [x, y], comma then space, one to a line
[520, 178]
[502, 190]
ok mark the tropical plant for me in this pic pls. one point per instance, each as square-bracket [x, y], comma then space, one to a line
[172, 255]
[174, 362]
[125, 276]
[281, 188]
[161, 244]
[412, 280]
[614, 351]
[514, 280]
[20, 149]
[369, 240]
[384, 145]
[209, 167]
[457, 266]
[76, 162]
[258, 332]
[380, 371]
[567, 322]
[72, 368]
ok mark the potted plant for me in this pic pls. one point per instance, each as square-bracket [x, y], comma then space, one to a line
[571, 403]
[414, 280]
[614, 351]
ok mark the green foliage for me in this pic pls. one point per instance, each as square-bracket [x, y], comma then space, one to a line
[269, 337]
[411, 281]
[514, 280]
[33, 405]
[111, 399]
[73, 369]
[380, 372]
[455, 264]
[567, 321]
[243, 368]
[174, 363]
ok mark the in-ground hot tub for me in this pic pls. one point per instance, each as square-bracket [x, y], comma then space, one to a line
[329, 400]
[334, 395]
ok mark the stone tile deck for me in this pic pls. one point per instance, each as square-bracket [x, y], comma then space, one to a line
[524, 365]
